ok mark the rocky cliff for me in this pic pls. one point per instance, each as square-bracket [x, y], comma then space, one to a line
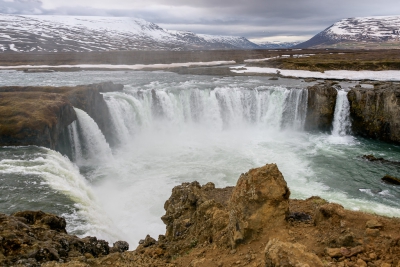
[40, 115]
[252, 224]
[375, 113]
[33, 118]
[30, 238]
[320, 107]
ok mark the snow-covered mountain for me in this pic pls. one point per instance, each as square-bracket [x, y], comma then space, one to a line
[229, 41]
[40, 33]
[277, 45]
[381, 29]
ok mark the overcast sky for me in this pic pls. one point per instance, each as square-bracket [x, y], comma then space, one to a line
[269, 20]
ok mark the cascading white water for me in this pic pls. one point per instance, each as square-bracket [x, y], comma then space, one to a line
[295, 110]
[94, 146]
[47, 167]
[221, 108]
[341, 119]
[75, 142]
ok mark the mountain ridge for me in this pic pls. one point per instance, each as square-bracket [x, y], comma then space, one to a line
[358, 32]
[54, 33]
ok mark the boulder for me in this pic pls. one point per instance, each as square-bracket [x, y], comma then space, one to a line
[286, 254]
[259, 201]
[391, 179]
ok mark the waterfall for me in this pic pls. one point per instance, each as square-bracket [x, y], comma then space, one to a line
[341, 119]
[76, 143]
[221, 108]
[94, 146]
[295, 109]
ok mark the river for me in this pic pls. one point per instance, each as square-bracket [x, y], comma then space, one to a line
[171, 129]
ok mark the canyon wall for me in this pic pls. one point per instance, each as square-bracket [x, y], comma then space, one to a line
[320, 107]
[40, 115]
[375, 113]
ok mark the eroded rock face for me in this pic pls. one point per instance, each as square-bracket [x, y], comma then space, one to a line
[33, 118]
[40, 115]
[320, 107]
[196, 214]
[225, 217]
[375, 113]
[30, 238]
[259, 201]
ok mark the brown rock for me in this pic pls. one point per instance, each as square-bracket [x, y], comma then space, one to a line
[332, 212]
[320, 107]
[259, 201]
[372, 232]
[334, 252]
[361, 263]
[376, 113]
[279, 253]
[391, 179]
[34, 237]
[373, 224]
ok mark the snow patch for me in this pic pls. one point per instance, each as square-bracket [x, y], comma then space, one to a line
[387, 75]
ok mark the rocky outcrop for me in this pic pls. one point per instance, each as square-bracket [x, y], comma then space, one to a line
[39, 115]
[33, 118]
[259, 201]
[31, 238]
[320, 107]
[375, 113]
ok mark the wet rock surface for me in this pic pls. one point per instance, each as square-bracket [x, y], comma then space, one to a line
[375, 113]
[391, 180]
[39, 115]
[320, 107]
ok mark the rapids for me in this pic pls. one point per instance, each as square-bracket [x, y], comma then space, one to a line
[180, 128]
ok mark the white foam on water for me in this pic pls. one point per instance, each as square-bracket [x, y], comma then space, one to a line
[62, 175]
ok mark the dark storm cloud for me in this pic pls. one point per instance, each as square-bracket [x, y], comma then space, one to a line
[252, 18]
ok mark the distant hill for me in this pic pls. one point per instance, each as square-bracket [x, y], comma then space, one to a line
[42, 33]
[277, 45]
[361, 32]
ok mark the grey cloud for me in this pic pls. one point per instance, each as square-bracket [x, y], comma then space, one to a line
[252, 18]
[21, 7]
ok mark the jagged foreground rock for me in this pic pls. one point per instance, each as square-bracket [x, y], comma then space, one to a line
[252, 224]
[32, 237]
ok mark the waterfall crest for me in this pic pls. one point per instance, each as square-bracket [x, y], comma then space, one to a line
[273, 108]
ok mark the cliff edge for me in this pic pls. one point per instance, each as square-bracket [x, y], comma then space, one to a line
[39, 115]
[375, 113]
